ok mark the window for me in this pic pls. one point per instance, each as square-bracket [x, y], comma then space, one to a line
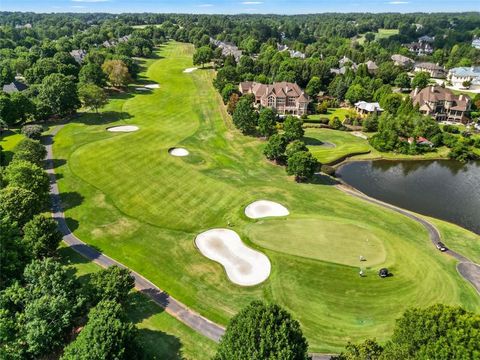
[271, 101]
[290, 101]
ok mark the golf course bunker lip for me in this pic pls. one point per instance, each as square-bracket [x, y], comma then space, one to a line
[123, 128]
[243, 265]
[152, 86]
[189, 70]
[265, 208]
[178, 151]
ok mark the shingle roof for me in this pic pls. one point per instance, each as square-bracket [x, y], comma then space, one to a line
[370, 107]
[473, 71]
[437, 93]
[14, 86]
[278, 89]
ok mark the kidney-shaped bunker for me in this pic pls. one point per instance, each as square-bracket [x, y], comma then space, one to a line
[123, 128]
[265, 208]
[243, 265]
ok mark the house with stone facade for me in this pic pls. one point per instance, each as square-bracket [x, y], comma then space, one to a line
[435, 70]
[285, 97]
[441, 103]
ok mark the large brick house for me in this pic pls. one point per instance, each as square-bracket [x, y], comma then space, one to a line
[442, 104]
[284, 97]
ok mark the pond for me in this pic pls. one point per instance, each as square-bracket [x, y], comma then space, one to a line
[443, 189]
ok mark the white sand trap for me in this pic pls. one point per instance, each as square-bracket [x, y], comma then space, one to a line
[123, 128]
[359, 134]
[141, 89]
[178, 151]
[189, 70]
[152, 86]
[243, 265]
[265, 208]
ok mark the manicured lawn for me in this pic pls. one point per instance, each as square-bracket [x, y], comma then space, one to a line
[381, 34]
[127, 196]
[345, 144]
[328, 239]
[331, 113]
[161, 335]
[8, 140]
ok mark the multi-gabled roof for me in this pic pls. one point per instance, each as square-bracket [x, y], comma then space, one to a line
[14, 86]
[433, 94]
[279, 90]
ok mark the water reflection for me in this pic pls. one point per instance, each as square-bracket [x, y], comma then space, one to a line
[447, 190]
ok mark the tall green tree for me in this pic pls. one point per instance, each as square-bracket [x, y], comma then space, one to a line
[293, 129]
[41, 237]
[112, 283]
[275, 147]
[303, 165]
[107, 335]
[58, 93]
[267, 121]
[91, 73]
[420, 80]
[24, 174]
[244, 116]
[92, 96]
[19, 204]
[202, 56]
[12, 253]
[30, 150]
[263, 331]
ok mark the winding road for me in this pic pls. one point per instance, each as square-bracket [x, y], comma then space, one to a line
[180, 311]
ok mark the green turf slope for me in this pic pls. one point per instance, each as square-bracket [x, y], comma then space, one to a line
[128, 197]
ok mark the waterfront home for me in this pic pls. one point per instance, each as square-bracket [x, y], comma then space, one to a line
[441, 103]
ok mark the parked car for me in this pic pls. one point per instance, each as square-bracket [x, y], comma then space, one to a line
[441, 246]
[383, 272]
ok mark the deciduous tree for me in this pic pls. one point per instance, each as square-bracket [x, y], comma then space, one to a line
[303, 165]
[117, 73]
[266, 122]
[92, 96]
[41, 237]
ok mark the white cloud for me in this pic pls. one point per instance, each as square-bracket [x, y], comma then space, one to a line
[252, 2]
[78, 7]
[205, 5]
[398, 2]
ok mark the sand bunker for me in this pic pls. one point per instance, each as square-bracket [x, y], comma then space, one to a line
[243, 265]
[141, 89]
[359, 134]
[152, 86]
[123, 128]
[265, 208]
[178, 151]
[327, 145]
[189, 70]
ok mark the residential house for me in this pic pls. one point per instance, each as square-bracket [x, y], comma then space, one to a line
[345, 63]
[402, 61]
[459, 75]
[228, 49]
[296, 54]
[441, 103]
[14, 86]
[476, 43]
[78, 55]
[281, 47]
[435, 70]
[371, 67]
[284, 97]
[26, 26]
[420, 141]
[426, 39]
[367, 108]
[420, 49]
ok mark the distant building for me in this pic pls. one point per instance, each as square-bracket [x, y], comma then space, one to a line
[476, 43]
[420, 141]
[426, 39]
[281, 47]
[435, 70]
[420, 49]
[371, 67]
[367, 108]
[15, 86]
[402, 61]
[228, 49]
[26, 26]
[442, 104]
[284, 97]
[345, 63]
[78, 55]
[459, 75]
[296, 54]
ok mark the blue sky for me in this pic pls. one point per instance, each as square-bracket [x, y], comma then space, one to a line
[239, 6]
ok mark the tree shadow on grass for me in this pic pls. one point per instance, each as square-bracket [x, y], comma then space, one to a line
[156, 344]
[71, 199]
[322, 179]
[102, 118]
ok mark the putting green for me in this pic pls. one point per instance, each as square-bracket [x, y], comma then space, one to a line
[345, 144]
[128, 197]
[326, 239]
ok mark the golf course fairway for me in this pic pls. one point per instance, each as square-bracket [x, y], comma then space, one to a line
[126, 195]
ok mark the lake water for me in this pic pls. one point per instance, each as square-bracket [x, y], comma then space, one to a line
[442, 189]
